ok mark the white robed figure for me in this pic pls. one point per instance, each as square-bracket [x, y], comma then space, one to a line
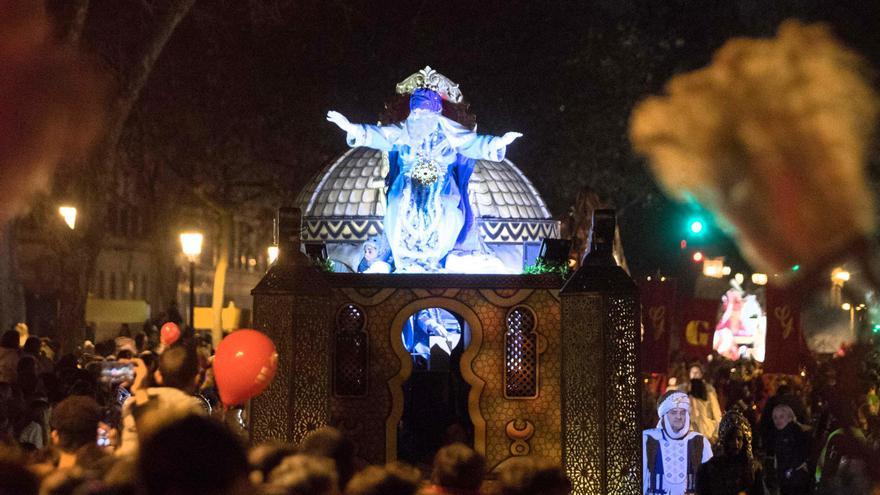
[672, 452]
[428, 214]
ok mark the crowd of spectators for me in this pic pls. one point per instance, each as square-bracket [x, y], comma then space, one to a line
[816, 432]
[128, 416]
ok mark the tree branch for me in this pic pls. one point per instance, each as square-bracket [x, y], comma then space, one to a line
[141, 72]
[78, 22]
[202, 196]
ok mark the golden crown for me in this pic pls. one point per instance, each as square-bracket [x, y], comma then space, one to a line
[428, 78]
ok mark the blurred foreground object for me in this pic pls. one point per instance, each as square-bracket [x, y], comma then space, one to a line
[50, 104]
[772, 136]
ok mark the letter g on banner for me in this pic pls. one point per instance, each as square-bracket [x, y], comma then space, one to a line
[697, 333]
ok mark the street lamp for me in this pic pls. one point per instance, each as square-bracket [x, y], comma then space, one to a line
[272, 251]
[191, 242]
[69, 214]
[839, 276]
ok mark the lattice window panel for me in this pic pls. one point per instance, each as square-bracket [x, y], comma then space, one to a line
[350, 367]
[600, 386]
[521, 355]
[622, 396]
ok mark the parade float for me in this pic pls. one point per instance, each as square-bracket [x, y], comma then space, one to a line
[417, 327]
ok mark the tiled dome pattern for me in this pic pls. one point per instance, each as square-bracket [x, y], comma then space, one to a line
[345, 202]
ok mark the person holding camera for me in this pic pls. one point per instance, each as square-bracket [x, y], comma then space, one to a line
[171, 397]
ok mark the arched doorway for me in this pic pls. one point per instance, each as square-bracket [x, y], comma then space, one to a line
[468, 347]
[435, 396]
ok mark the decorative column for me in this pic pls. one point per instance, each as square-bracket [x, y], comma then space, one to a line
[601, 399]
[292, 305]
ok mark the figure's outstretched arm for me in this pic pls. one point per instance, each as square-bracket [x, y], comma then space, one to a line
[473, 145]
[487, 147]
[506, 139]
[371, 136]
[340, 120]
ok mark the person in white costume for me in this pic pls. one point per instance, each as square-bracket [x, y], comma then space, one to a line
[672, 452]
[431, 158]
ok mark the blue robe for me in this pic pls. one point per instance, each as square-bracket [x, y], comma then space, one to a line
[423, 223]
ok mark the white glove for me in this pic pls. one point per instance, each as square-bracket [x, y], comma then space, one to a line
[506, 139]
[340, 120]
[509, 137]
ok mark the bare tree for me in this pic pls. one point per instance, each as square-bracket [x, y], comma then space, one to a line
[93, 184]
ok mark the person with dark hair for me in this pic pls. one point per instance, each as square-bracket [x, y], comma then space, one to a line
[9, 354]
[29, 378]
[533, 476]
[703, 417]
[734, 470]
[457, 469]
[705, 408]
[392, 479]
[333, 444]
[33, 424]
[302, 474]
[178, 368]
[265, 457]
[7, 434]
[141, 341]
[16, 479]
[171, 398]
[193, 455]
[33, 347]
[75, 431]
[82, 383]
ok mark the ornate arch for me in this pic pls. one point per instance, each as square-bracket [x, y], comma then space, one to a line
[395, 384]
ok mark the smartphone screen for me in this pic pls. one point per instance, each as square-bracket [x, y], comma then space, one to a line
[122, 394]
[116, 372]
[103, 437]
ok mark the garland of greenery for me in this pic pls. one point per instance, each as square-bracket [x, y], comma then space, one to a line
[541, 267]
[323, 265]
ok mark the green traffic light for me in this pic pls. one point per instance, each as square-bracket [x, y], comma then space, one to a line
[696, 226]
[876, 328]
[795, 268]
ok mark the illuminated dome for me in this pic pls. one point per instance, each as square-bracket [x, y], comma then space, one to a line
[346, 203]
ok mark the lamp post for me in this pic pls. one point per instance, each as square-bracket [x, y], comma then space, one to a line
[69, 215]
[191, 242]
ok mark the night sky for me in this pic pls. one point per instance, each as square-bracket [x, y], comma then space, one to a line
[247, 84]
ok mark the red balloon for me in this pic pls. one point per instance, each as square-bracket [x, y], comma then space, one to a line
[169, 333]
[244, 365]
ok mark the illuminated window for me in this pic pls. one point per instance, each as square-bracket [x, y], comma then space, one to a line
[521, 355]
[350, 353]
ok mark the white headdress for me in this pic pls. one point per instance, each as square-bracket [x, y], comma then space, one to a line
[674, 400]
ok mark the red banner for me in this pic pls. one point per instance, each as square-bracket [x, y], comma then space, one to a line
[785, 338]
[658, 304]
[697, 327]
